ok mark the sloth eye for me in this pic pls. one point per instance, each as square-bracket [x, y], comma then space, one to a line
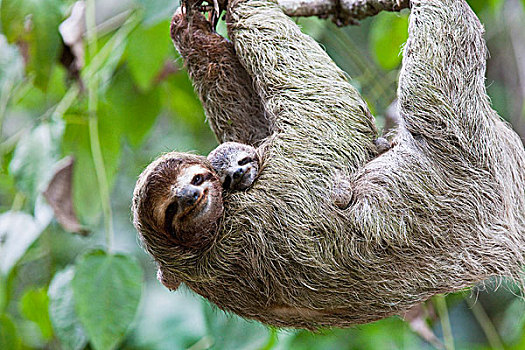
[197, 180]
[245, 161]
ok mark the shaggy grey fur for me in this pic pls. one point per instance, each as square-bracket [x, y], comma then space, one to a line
[233, 109]
[439, 211]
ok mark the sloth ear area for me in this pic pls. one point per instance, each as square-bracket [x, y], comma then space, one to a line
[168, 281]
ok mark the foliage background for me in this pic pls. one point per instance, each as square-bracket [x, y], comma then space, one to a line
[59, 290]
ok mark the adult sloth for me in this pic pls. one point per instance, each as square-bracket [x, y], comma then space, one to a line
[441, 210]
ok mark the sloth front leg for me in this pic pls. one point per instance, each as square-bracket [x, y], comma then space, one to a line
[310, 99]
[233, 108]
[442, 93]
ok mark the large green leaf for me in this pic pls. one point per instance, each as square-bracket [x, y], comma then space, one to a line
[34, 307]
[232, 332]
[147, 51]
[33, 159]
[128, 110]
[169, 320]
[388, 33]
[18, 231]
[183, 103]
[391, 333]
[513, 322]
[76, 142]
[107, 291]
[62, 311]
[34, 24]
[8, 334]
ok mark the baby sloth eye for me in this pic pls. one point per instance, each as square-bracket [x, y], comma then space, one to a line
[197, 180]
[245, 161]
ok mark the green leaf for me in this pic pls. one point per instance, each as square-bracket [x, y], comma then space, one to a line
[8, 335]
[390, 333]
[147, 51]
[34, 307]
[62, 311]
[33, 159]
[3, 293]
[11, 70]
[17, 232]
[128, 110]
[76, 142]
[107, 291]
[388, 33]
[86, 196]
[232, 332]
[157, 10]
[481, 5]
[34, 25]
[513, 322]
[183, 102]
[169, 314]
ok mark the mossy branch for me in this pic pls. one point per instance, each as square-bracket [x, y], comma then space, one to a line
[343, 12]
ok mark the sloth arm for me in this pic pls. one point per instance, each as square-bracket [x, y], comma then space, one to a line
[312, 104]
[442, 95]
[233, 108]
[453, 155]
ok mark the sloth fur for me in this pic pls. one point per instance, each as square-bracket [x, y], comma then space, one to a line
[439, 211]
[234, 115]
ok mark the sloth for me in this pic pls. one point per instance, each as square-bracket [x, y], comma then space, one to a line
[440, 210]
[182, 200]
[182, 195]
[236, 164]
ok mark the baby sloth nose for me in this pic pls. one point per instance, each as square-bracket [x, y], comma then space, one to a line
[238, 173]
[189, 195]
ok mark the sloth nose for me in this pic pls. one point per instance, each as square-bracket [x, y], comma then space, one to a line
[238, 174]
[189, 195]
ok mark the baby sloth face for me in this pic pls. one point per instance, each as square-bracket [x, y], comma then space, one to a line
[236, 164]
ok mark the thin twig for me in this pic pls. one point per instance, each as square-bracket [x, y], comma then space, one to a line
[486, 324]
[441, 307]
[96, 150]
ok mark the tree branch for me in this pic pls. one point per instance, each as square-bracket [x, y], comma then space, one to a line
[343, 12]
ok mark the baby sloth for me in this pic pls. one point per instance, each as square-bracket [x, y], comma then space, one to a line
[236, 164]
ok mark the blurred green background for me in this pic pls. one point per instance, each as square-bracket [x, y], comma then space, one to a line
[128, 100]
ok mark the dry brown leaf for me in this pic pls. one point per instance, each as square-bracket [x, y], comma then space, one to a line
[59, 195]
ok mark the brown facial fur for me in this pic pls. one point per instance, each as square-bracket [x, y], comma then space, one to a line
[189, 228]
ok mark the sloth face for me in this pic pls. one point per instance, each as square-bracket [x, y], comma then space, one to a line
[236, 165]
[178, 201]
[193, 206]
